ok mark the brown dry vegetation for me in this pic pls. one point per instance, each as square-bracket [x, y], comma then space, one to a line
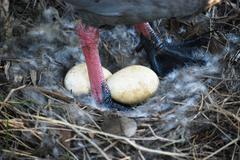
[29, 130]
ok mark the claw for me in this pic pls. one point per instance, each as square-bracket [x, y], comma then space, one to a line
[171, 56]
[108, 103]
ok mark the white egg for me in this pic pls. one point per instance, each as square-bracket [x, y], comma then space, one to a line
[133, 84]
[77, 80]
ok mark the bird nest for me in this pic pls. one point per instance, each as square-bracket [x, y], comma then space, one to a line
[194, 114]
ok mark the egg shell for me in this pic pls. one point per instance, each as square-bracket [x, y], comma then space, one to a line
[133, 84]
[77, 80]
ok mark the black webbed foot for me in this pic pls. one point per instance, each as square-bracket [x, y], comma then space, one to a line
[170, 56]
[109, 103]
[185, 48]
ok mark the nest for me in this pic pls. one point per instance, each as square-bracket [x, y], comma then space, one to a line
[192, 116]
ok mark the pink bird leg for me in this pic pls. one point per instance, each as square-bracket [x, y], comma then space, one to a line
[148, 32]
[143, 28]
[89, 41]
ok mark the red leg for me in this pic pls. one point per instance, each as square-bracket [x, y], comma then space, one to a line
[89, 40]
[144, 29]
[148, 32]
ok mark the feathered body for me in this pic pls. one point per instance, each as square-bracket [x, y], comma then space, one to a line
[111, 12]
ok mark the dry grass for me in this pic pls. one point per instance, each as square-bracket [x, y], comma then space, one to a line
[29, 130]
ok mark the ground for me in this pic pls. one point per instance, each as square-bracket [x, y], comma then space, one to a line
[194, 114]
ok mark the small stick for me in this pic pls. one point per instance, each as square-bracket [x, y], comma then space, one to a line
[222, 148]
[12, 91]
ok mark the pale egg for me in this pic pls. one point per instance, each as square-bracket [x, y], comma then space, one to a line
[77, 80]
[133, 84]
